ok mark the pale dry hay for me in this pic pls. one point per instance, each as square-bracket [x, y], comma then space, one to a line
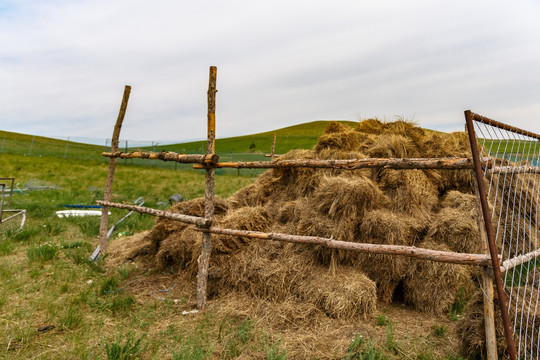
[246, 218]
[455, 144]
[432, 287]
[374, 206]
[341, 197]
[471, 328]
[461, 180]
[126, 249]
[298, 182]
[457, 229]
[460, 201]
[370, 126]
[289, 212]
[343, 293]
[533, 276]
[346, 140]
[517, 208]
[336, 154]
[279, 184]
[392, 146]
[166, 227]
[179, 248]
[312, 223]
[265, 269]
[386, 227]
[411, 192]
[288, 313]
[299, 327]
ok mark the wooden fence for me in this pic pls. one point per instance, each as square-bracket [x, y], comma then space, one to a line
[210, 161]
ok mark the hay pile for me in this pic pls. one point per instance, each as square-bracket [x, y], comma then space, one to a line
[523, 310]
[431, 208]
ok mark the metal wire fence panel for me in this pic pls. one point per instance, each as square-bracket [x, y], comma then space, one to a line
[512, 180]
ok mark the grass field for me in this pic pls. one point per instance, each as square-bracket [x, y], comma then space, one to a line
[47, 279]
[57, 304]
[245, 148]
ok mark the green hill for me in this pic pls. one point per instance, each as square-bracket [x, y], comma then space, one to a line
[302, 136]
[248, 147]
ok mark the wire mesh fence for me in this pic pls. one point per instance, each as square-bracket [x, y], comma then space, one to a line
[513, 188]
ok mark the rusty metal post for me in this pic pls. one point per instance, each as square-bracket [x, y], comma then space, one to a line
[103, 242]
[204, 258]
[469, 117]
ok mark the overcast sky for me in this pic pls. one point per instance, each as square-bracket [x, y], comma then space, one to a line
[64, 64]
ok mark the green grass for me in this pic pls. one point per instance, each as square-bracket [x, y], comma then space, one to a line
[514, 149]
[48, 282]
[126, 348]
[457, 308]
[239, 148]
[47, 279]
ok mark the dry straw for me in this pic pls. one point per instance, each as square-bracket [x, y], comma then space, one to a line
[410, 207]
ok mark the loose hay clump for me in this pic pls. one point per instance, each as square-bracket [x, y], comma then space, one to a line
[386, 227]
[246, 218]
[455, 228]
[343, 294]
[340, 197]
[432, 287]
[411, 192]
[523, 308]
[173, 241]
[267, 270]
[340, 137]
[392, 146]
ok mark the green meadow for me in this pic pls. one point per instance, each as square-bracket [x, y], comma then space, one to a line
[55, 303]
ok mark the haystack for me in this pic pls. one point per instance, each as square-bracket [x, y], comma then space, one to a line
[367, 205]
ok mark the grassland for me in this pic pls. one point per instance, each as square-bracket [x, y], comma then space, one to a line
[249, 147]
[56, 304]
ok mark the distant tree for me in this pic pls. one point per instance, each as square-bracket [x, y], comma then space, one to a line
[252, 146]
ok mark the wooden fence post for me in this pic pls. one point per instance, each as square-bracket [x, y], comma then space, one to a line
[103, 241]
[487, 284]
[204, 258]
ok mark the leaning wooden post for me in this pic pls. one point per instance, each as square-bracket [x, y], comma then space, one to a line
[110, 175]
[487, 280]
[487, 284]
[204, 258]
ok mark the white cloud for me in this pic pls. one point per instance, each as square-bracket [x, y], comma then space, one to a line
[63, 64]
